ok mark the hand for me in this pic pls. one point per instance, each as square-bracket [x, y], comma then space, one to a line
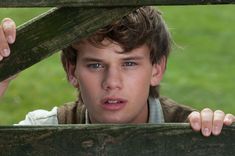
[209, 122]
[7, 36]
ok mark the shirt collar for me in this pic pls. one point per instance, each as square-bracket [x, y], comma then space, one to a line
[155, 111]
[87, 120]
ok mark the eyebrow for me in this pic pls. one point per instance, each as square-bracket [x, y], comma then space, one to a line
[91, 59]
[133, 58]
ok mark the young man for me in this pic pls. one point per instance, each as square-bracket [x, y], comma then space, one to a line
[118, 71]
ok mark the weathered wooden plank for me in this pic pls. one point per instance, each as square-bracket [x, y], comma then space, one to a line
[96, 3]
[52, 31]
[112, 140]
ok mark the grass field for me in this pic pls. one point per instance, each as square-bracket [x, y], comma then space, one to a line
[200, 70]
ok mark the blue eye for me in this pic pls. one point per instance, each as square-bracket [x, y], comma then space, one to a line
[126, 64]
[95, 66]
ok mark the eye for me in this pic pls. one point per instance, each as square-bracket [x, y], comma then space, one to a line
[129, 64]
[95, 66]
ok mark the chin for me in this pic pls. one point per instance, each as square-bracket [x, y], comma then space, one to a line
[114, 121]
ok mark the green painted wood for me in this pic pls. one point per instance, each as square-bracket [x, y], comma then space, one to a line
[92, 3]
[114, 140]
[52, 31]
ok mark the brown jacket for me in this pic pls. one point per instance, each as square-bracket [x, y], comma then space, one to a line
[74, 113]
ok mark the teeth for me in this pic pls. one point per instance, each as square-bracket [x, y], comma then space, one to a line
[112, 101]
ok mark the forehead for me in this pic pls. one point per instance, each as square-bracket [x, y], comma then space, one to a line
[85, 45]
[106, 46]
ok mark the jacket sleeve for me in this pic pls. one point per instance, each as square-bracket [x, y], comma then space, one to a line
[174, 112]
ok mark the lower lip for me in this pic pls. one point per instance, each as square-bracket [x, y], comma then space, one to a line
[114, 107]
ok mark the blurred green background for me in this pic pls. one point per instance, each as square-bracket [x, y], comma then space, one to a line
[200, 70]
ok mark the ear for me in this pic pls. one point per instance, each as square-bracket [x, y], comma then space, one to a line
[70, 70]
[158, 71]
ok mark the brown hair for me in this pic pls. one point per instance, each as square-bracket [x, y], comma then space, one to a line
[143, 26]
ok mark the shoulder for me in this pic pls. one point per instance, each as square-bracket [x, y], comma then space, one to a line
[71, 113]
[40, 117]
[173, 111]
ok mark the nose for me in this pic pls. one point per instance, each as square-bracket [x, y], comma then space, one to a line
[112, 79]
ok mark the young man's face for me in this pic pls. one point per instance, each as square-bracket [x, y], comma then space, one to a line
[114, 84]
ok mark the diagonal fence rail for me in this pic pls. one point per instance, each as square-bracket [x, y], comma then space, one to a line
[52, 31]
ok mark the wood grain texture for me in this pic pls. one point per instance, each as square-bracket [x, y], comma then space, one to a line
[55, 30]
[114, 140]
[102, 3]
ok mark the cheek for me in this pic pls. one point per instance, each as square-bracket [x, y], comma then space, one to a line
[88, 84]
[139, 81]
[86, 90]
[137, 89]
[144, 75]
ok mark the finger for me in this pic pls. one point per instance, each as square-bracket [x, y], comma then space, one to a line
[218, 120]
[4, 48]
[206, 121]
[195, 120]
[9, 28]
[229, 119]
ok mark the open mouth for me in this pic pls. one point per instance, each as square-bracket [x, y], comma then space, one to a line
[113, 104]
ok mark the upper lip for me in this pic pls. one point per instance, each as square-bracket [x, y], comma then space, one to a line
[104, 100]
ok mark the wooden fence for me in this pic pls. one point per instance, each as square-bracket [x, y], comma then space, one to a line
[106, 3]
[38, 39]
[114, 140]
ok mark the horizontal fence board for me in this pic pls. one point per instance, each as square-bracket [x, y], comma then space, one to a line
[102, 3]
[52, 31]
[114, 140]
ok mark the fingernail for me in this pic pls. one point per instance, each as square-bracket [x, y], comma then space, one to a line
[6, 52]
[1, 57]
[206, 131]
[7, 25]
[228, 120]
[10, 39]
